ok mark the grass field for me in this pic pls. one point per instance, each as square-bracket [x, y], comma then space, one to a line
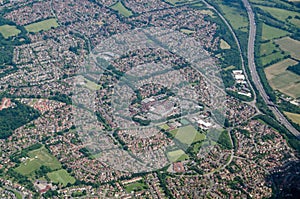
[187, 135]
[267, 48]
[136, 186]
[178, 155]
[237, 21]
[8, 31]
[122, 9]
[187, 31]
[165, 127]
[224, 45]
[269, 32]
[277, 56]
[208, 12]
[61, 176]
[42, 25]
[37, 158]
[293, 116]
[285, 81]
[290, 45]
[278, 13]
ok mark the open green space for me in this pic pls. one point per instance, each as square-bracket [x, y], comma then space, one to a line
[180, 2]
[272, 58]
[165, 127]
[9, 31]
[290, 45]
[178, 155]
[62, 177]
[187, 31]
[283, 80]
[42, 25]
[280, 14]
[187, 135]
[293, 116]
[36, 159]
[268, 48]
[269, 32]
[88, 83]
[234, 16]
[122, 9]
[136, 186]
[224, 45]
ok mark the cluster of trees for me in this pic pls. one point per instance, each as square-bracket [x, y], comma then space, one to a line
[13, 118]
[295, 69]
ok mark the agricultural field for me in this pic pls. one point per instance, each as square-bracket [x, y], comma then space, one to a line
[136, 186]
[42, 25]
[178, 155]
[224, 45]
[62, 177]
[269, 32]
[187, 135]
[268, 48]
[290, 45]
[293, 116]
[36, 159]
[9, 31]
[274, 57]
[283, 80]
[280, 14]
[122, 9]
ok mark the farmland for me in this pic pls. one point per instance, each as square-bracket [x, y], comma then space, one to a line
[122, 9]
[285, 81]
[293, 116]
[61, 176]
[36, 159]
[9, 31]
[290, 45]
[178, 155]
[42, 25]
[187, 135]
[269, 32]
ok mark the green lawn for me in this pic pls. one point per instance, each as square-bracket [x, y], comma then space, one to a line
[8, 31]
[293, 116]
[187, 135]
[269, 32]
[122, 9]
[178, 155]
[37, 158]
[62, 177]
[42, 25]
[136, 186]
[187, 31]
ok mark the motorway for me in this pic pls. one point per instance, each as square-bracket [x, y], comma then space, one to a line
[255, 77]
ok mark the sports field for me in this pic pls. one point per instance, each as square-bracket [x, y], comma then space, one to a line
[42, 25]
[8, 31]
[187, 134]
[293, 116]
[37, 158]
[122, 9]
[290, 45]
[61, 176]
[178, 155]
[283, 80]
[269, 32]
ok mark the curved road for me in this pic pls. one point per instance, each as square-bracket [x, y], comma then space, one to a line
[255, 77]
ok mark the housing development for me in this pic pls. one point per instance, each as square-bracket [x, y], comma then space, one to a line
[149, 99]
